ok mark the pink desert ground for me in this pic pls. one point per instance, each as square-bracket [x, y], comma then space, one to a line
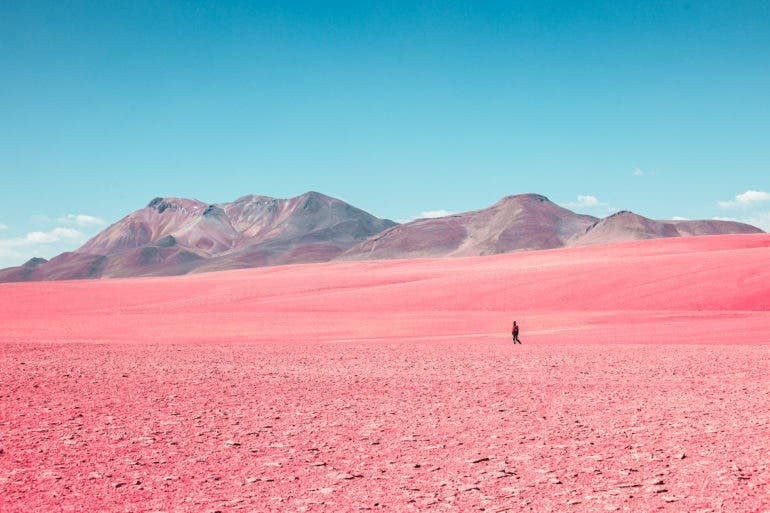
[642, 385]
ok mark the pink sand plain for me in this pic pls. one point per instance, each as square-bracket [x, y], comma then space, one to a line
[642, 385]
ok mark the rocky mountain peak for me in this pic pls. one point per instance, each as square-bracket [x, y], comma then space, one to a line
[34, 262]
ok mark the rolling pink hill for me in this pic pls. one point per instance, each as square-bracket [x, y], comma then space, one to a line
[393, 385]
[700, 276]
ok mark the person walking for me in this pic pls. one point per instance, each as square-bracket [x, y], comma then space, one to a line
[515, 333]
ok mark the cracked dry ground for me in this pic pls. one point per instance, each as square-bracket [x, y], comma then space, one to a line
[442, 426]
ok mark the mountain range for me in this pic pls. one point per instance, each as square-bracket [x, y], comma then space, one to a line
[172, 236]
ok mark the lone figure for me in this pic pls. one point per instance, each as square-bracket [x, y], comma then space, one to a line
[515, 333]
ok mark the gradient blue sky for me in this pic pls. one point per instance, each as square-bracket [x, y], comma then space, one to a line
[400, 108]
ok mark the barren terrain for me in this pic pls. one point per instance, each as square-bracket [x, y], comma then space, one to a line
[642, 385]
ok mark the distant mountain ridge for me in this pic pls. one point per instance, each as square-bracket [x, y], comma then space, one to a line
[626, 226]
[521, 222]
[178, 236]
[173, 236]
[524, 222]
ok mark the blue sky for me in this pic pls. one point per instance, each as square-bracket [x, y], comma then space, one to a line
[400, 108]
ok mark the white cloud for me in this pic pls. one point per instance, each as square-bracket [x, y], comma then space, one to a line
[637, 172]
[81, 220]
[680, 218]
[54, 235]
[750, 202]
[585, 201]
[745, 199]
[753, 196]
[49, 239]
[427, 214]
[588, 201]
[32, 238]
[16, 250]
[3, 227]
[431, 214]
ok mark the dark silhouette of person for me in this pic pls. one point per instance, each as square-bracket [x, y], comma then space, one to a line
[515, 333]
